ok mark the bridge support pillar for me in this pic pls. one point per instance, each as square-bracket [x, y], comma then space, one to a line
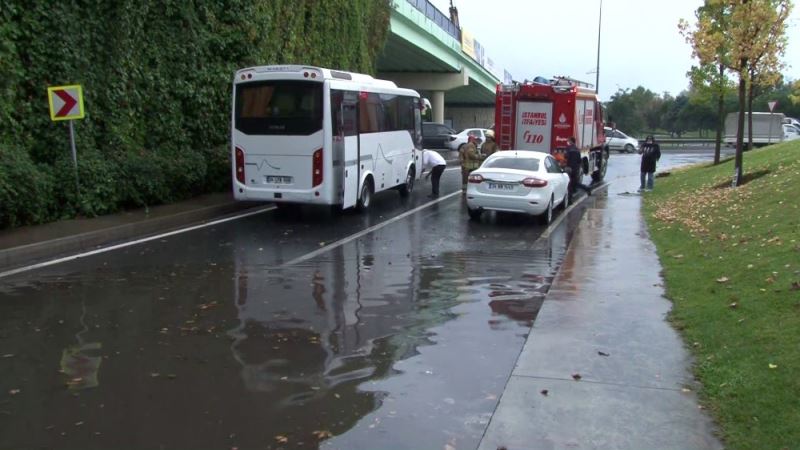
[434, 83]
[437, 106]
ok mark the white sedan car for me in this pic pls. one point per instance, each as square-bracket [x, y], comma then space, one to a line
[518, 181]
[617, 140]
[457, 140]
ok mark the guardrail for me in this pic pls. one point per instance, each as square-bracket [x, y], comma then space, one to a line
[680, 142]
[433, 13]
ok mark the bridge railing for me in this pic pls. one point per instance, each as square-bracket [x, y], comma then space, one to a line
[433, 13]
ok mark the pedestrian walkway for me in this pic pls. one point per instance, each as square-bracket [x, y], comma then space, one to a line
[602, 368]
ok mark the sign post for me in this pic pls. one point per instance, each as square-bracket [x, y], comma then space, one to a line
[66, 103]
[771, 108]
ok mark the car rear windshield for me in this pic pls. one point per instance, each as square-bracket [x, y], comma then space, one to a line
[510, 162]
[278, 107]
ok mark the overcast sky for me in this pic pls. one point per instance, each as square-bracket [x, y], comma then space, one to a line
[640, 44]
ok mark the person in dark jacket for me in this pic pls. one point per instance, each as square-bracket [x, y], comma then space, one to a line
[574, 163]
[651, 153]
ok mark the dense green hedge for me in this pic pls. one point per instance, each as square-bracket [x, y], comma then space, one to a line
[156, 76]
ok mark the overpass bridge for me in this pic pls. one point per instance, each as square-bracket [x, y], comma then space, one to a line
[427, 52]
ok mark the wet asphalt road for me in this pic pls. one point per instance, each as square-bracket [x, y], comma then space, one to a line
[402, 338]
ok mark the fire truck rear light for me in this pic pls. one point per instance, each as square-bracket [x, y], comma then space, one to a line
[534, 182]
[476, 179]
[239, 165]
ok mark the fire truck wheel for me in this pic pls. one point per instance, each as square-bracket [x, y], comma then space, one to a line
[547, 217]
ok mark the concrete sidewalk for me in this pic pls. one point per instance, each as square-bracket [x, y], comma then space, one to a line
[601, 368]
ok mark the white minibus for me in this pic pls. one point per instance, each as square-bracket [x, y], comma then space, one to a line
[308, 135]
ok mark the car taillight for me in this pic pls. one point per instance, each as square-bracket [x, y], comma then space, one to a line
[475, 179]
[534, 182]
[316, 169]
[239, 165]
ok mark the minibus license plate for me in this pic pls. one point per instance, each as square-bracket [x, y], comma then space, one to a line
[278, 180]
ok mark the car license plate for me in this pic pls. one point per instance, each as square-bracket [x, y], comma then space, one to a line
[278, 180]
[501, 186]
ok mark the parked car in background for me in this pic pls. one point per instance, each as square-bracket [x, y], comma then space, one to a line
[457, 140]
[519, 181]
[791, 121]
[621, 142]
[790, 132]
[436, 135]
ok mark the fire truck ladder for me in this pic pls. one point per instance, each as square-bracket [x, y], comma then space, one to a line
[506, 118]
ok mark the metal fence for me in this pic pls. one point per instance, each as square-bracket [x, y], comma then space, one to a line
[438, 17]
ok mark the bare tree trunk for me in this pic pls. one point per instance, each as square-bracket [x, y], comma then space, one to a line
[720, 114]
[737, 176]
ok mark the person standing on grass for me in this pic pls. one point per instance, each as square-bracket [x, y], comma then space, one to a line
[651, 153]
[574, 159]
[434, 164]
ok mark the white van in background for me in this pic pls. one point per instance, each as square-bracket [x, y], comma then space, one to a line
[767, 128]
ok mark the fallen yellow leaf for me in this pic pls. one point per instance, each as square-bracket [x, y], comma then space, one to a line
[773, 366]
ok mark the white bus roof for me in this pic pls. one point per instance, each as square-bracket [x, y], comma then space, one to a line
[325, 74]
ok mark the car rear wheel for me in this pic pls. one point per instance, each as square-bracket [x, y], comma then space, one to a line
[565, 202]
[474, 214]
[547, 217]
[629, 148]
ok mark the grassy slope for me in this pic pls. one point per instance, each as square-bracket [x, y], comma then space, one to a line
[731, 261]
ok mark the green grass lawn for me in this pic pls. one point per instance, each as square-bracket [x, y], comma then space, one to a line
[731, 260]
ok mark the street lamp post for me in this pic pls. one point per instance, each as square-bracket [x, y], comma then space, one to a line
[597, 68]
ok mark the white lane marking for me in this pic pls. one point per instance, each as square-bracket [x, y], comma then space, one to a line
[366, 231]
[128, 244]
[452, 168]
[564, 213]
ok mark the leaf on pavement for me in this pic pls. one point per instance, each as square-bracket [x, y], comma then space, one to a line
[281, 439]
[576, 376]
[14, 391]
[544, 392]
[603, 354]
[322, 434]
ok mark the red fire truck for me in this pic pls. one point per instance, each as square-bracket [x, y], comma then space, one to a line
[542, 114]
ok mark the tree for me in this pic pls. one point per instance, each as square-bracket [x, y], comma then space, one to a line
[765, 64]
[740, 35]
[710, 47]
[794, 97]
[758, 28]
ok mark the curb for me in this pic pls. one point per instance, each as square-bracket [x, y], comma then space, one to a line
[14, 257]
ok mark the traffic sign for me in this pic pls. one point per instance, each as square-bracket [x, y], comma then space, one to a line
[772, 105]
[66, 102]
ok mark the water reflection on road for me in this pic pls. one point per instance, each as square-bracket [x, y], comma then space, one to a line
[401, 339]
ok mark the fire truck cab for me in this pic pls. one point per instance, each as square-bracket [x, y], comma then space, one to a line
[542, 114]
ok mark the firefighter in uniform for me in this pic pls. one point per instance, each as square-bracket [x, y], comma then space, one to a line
[490, 146]
[470, 160]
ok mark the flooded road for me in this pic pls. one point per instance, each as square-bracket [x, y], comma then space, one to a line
[402, 338]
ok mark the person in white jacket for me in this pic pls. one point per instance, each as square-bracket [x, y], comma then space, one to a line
[434, 164]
